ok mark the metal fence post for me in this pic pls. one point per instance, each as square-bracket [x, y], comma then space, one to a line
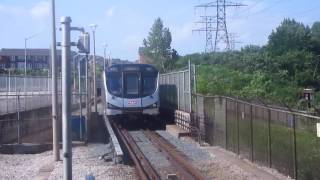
[251, 128]
[9, 82]
[190, 87]
[269, 138]
[15, 84]
[18, 119]
[238, 129]
[80, 97]
[226, 109]
[178, 77]
[184, 95]
[87, 99]
[295, 148]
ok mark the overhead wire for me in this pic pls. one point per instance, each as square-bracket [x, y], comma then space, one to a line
[248, 8]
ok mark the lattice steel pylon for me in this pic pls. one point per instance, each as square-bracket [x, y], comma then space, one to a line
[208, 29]
[233, 42]
[221, 31]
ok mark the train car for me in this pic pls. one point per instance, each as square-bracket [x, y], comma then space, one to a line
[131, 89]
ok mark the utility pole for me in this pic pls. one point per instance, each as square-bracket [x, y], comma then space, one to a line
[104, 45]
[74, 61]
[80, 97]
[94, 27]
[221, 31]
[55, 131]
[84, 46]
[66, 98]
[109, 60]
[88, 105]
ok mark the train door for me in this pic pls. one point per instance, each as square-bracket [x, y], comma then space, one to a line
[131, 91]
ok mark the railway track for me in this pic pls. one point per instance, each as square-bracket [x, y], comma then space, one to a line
[180, 167]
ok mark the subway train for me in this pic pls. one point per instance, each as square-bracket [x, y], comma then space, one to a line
[131, 90]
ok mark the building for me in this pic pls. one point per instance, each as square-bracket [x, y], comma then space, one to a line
[37, 59]
[119, 61]
[40, 59]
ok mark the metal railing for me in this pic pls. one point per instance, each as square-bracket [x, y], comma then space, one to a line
[24, 99]
[27, 118]
[12, 103]
[26, 84]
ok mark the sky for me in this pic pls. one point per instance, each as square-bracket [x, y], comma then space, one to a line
[123, 24]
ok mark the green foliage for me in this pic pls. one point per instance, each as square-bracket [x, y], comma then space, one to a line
[315, 37]
[157, 46]
[276, 73]
[20, 72]
[290, 35]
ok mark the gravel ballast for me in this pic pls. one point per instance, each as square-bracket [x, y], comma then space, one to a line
[85, 161]
[191, 150]
[23, 166]
[155, 157]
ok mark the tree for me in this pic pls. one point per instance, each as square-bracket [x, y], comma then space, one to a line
[157, 46]
[290, 35]
[315, 37]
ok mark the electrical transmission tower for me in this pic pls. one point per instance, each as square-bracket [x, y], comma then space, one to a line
[208, 22]
[221, 31]
[233, 42]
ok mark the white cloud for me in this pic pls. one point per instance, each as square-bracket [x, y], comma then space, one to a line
[110, 11]
[41, 9]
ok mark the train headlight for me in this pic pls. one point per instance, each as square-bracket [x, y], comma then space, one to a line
[110, 106]
[155, 105]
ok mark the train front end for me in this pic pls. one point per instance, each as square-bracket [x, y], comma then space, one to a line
[132, 89]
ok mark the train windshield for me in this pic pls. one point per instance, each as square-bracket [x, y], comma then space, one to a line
[131, 81]
[149, 84]
[114, 84]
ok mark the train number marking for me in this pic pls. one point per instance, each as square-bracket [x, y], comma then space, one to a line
[132, 102]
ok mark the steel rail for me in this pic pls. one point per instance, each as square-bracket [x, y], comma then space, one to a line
[144, 168]
[179, 161]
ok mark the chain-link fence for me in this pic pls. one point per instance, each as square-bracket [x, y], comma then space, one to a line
[278, 138]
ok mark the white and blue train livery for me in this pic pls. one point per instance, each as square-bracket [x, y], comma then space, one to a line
[131, 89]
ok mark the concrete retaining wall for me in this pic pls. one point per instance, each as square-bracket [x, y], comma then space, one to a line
[35, 126]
